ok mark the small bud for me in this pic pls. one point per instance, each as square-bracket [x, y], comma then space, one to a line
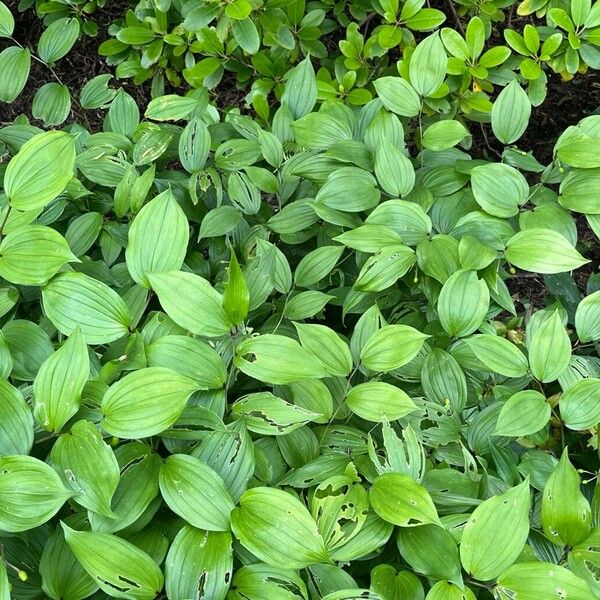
[114, 441]
[22, 575]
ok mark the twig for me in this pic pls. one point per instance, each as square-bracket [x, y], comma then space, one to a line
[456, 18]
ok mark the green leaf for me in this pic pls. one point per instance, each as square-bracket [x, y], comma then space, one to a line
[57, 39]
[195, 492]
[171, 107]
[524, 413]
[96, 93]
[587, 318]
[72, 300]
[431, 551]
[40, 171]
[549, 350]
[398, 96]
[566, 514]
[400, 500]
[488, 547]
[191, 302]
[32, 254]
[62, 574]
[463, 303]
[499, 355]
[579, 407]
[58, 385]
[121, 569]
[378, 401]
[190, 357]
[246, 35]
[199, 565]
[236, 297]
[158, 238]
[385, 268]
[584, 559]
[300, 93]
[499, 189]
[145, 402]
[510, 113]
[533, 580]
[262, 581]
[277, 359]
[391, 347]
[52, 104]
[317, 264]
[393, 169]
[444, 590]
[16, 421]
[7, 21]
[542, 251]
[444, 134]
[443, 380]
[428, 64]
[266, 414]
[327, 347]
[14, 72]
[138, 487]
[278, 529]
[31, 493]
[87, 466]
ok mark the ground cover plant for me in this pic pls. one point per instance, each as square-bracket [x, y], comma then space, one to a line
[299, 301]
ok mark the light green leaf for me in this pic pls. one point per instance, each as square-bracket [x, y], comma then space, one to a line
[57, 39]
[400, 500]
[58, 385]
[398, 96]
[579, 406]
[587, 318]
[428, 64]
[463, 303]
[327, 347]
[31, 493]
[14, 70]
[542, 251]
[16, 421]
[510, 113]
[191, 302]
[277, 359]
[378, 401]
[278, 529]
[7, 21]
[145, 402]
[40, 171]
[195, 492]
[300, 93]
[566, 514]
[87, 466]
[444, 134]
[391, 347]
[158, 238]
[199, 565]
[32, 254]
[72, 300]
[534, 580]
[121, 569]
[499, 189]
[523, 413]
[549, 349]
[499, 355]
[488, 546]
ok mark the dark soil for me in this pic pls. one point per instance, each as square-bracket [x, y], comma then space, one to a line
[74, 70]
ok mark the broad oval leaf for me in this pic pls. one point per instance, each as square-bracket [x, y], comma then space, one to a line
[31, 493]
[391, 347]
[378, 401]
[121, 569]
[145, 402]
[278, 529]
[40, 170]
[579, 406]
[488, 546]
[72, 300]
[195, 492]
[400, 500]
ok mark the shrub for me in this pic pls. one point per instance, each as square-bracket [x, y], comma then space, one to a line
[287, 357]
